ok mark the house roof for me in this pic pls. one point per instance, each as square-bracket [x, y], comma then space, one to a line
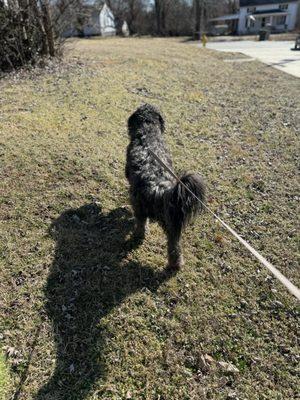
[273, 11]
[247, 3]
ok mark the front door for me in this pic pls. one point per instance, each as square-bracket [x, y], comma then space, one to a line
[265, 21]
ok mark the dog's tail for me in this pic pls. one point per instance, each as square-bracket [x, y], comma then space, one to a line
[180, 204]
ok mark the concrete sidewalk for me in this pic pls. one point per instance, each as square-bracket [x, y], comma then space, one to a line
[276, 54]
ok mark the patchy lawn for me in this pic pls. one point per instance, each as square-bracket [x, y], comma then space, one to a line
[4, 378]
[84, 314]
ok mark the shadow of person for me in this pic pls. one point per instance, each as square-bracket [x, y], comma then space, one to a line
[91, 274]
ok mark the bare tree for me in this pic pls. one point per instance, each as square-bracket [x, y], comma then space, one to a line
[47, 24]
[206, 9]
[68, 14]
[197, 6]
[134, 12]
[179, 17]
[232, 6]
[162, 8]
[25, 32]
[133, 9]
[81, 16]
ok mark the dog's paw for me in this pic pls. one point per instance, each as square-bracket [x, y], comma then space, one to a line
[176, 265]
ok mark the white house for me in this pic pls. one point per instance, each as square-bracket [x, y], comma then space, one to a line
[257, 14]
[99, 23]
[107, 22]
[253, 15]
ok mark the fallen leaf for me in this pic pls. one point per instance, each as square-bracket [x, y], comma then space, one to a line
[228, 367]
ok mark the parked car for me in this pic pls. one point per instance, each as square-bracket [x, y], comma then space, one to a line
[219, 30]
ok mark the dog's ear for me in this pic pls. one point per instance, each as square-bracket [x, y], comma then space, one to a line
[162, 123]
[131, 123]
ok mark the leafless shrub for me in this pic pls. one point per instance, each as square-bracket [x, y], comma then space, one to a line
[26, 33]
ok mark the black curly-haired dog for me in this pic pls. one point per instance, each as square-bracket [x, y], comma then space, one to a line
[154, 193]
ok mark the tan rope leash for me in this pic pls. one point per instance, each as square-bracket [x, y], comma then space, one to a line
[288, 284]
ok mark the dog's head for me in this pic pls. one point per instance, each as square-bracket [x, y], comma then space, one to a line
[146, 114]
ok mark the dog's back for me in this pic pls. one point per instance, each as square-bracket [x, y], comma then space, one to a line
[146, 177]
[154, 193]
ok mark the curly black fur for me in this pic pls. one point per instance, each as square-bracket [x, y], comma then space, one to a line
[154, 193]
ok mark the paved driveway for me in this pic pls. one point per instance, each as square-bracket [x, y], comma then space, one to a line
[276, 54]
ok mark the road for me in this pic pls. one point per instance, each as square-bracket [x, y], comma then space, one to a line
[276, 54]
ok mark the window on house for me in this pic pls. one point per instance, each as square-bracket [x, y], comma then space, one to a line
[251, 9]
[281, 20]
[283, 6]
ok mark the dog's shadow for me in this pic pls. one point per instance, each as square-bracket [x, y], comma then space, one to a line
[91, 274]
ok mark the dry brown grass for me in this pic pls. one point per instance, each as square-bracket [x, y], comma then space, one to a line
[89, 316]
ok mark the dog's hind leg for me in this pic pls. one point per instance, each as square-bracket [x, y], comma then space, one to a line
[141, 227]
[175, 258]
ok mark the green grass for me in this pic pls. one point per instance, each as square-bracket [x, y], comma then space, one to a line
[4, 378]
[90, 316]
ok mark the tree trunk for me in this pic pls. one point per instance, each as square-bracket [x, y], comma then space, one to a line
[23, 17]
[131, 16]
[39, 22]
[158, 16]
[161, 13]
[48, 27]
[197, 19]
[163, 17]
[203, 18]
